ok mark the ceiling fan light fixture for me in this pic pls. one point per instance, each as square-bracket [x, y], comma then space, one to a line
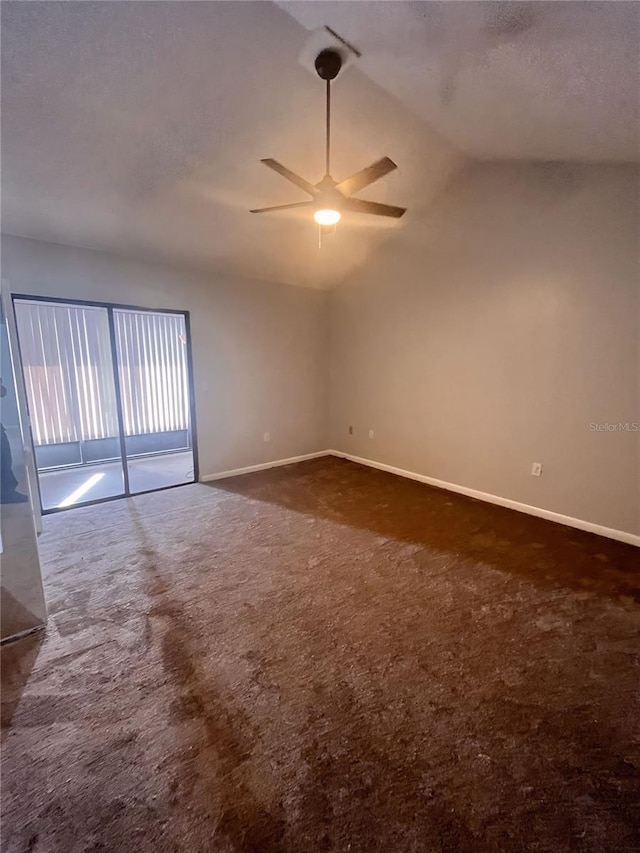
[327, 216]
[330, 197]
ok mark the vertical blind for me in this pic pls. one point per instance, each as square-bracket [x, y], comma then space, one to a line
[153, 371]
[66, 359]
[68, 370]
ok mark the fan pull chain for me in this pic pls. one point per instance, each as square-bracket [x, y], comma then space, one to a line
[325, 229]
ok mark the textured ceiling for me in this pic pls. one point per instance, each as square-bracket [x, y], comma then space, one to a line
[138, 128]
[524, 80]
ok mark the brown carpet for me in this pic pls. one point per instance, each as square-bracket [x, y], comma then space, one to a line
[324, 657]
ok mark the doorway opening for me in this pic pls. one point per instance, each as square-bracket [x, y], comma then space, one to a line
[110, 398]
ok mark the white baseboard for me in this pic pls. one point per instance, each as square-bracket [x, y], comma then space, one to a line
[588, 526]
[235, 472]
[578, 523]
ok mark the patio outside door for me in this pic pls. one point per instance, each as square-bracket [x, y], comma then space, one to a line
[109, 396]
[152, 358]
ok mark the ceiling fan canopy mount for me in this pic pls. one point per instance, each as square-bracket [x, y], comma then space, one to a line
[328, 64]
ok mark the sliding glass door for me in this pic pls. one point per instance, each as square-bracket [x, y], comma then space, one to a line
[65, 351]
[109, 397]
[151, 352]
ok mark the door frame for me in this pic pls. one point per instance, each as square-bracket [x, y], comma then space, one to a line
[110, 307]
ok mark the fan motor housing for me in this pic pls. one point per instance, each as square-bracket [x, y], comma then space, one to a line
[329, 197]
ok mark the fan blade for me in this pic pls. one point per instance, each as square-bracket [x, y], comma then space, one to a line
[359, 205]
[291, 176]
[282, 207]
[366, 176]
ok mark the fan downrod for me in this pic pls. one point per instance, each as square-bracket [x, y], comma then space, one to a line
[328, 64]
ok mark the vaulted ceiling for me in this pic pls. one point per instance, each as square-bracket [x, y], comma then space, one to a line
[138, 128]
[504, 80]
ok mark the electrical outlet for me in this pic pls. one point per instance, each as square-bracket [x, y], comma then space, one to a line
[371, 433]
[536, 469]
[267, 436]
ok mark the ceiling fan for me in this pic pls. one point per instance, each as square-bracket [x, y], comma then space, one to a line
[329, 198]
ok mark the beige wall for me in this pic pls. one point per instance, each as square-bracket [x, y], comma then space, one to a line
[259, 349]
[479, 340]
[492, 334]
